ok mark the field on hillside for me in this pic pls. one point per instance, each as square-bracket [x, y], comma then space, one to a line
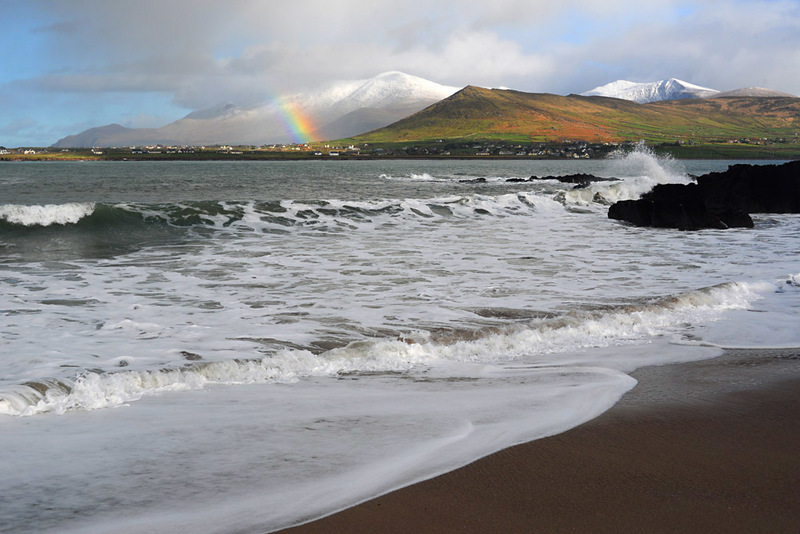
[477, 113]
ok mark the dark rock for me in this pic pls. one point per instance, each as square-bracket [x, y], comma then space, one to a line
[718, 200]
[580, 179]
[755, 188]
[733, 218]
[690, 214]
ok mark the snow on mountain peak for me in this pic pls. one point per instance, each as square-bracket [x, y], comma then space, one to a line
[671, 89]
[226, 109]
[389, 89]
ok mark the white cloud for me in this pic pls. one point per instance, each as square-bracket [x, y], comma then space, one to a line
[197, 53]
[719, 45]
[203, 50]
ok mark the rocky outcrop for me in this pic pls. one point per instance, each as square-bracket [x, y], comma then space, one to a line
[677, 206]
[754, 188]
[717, 200]
[580, 179]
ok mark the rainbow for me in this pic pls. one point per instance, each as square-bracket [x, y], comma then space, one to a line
[298, 125]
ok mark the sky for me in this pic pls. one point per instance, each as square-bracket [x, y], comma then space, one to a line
[72, 65]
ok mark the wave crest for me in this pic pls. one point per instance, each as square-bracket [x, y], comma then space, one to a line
[540, 340]
[45, 215]
[270, 215]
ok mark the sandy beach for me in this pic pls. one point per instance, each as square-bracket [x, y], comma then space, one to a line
[710, 446]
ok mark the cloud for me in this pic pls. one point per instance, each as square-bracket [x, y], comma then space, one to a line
[25, 132]
[201, 50]
[720, 45]
[144, 120]
[107, 57]
[17, 126]
[113, 30]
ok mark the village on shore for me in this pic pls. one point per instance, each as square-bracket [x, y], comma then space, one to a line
[763, 148]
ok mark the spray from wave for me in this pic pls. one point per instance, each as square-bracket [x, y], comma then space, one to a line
[643, 161]
[638, 169]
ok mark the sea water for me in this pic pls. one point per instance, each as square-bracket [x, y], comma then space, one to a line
[240, 346]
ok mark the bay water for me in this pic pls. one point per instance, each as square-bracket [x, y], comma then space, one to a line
[241, 346]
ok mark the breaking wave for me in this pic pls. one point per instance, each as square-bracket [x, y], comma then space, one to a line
[541, 340]
[637, 170]
[47, 215]
[264, 216]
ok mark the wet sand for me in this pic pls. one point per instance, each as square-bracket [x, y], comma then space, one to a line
[711, 446]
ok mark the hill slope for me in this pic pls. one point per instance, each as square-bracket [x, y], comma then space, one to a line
[476, 112]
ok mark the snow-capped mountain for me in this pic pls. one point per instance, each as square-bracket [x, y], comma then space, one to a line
[340, 109]
[393, 89]
[672, 89]
[755, 92]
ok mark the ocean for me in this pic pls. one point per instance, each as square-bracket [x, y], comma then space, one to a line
[242, 346]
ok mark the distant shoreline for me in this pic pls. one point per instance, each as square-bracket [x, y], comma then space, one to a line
[43, 158]
[485, 149]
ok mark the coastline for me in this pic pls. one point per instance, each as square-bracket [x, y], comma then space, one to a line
[703, 446]
[281, 157]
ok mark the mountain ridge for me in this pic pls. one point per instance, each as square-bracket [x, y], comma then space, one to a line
[367, 104]
[475, 112]
[759, 92]
[350, 108]
[643, 93]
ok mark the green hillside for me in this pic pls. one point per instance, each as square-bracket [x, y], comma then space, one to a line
[477, 113]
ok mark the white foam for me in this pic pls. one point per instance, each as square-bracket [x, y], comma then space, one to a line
[538, 343]
[463, 323]
[424, 177]
[413, 177]
[335, 213]
[46, 215]
[256, 458]
[445, 178]
[769, 322]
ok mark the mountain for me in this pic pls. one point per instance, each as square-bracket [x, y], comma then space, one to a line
[373, 104]
[392, 90]
[226, 109]
[478, 113]
[337, 110]
[361, 120]
[92, 136]
[672, 89]
[759, 92]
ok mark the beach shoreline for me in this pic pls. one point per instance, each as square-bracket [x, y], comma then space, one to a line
[708, 446]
